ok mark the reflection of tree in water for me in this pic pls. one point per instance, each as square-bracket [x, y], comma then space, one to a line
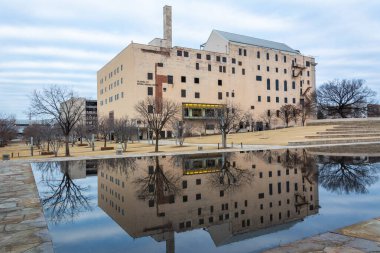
[230, 178]
[346, 175]
[158, 185]
[63, 199]
[122, 166]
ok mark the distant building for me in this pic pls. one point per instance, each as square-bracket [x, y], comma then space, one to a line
[258, 75]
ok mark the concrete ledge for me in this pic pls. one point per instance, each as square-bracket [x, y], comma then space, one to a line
[331, 141]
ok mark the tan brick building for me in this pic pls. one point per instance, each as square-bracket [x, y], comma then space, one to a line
[258, 75]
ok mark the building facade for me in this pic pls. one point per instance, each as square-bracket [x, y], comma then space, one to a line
[257, 75]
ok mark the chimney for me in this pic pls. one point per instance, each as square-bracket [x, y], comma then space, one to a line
[168, 26]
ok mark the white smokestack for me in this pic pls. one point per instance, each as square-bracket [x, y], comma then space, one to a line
[168, 25]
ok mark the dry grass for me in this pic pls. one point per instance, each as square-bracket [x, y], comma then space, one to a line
[271, 137]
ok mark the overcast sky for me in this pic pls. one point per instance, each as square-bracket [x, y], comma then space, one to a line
[65, 42]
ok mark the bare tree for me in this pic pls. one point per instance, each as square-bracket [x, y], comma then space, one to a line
[286, 113]
[157, 113]
[296, 113]
[61, 105]
[229, 116]
[124, 130]
[181, 130]
[345, 98]
[308, 108]
[268, 118]
[8, 130]
[104, 128]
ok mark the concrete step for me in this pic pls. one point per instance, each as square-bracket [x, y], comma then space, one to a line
[351, 121]
[347, 135]
[332, 141]
[350, 132]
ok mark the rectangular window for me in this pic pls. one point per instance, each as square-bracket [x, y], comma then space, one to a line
[150, 108]
[285, 71]
[224, 59]
[150, 76]
[284, 58]
[150, 91]
[240, 51]
[276, 70]
[293, 85]
[220, 82]
[184, 184]
[268, 99]
[208, 57]
[233, 60]
[270, 189]
[199, 56]
[258, 54]
[268, 84]
[220, 95]
[285, 100]
[279, 188]
[224, 69]
[259, 98]
[198, 196]
[170, 79]
[220, 69]
[261, 195]
[268, 68]
[294, 100]
[277, 85]
[243, 71]
[196, 79]
[245, 52]
[197, 95]
[258, 67]
[277, 100]
[217, 58]
[183, 79]
[179, 53]
[183, 93]
[233, 70]
[258, 78]
[267, 56]
[285, 86]
[209, 67]
[197, 66]
[186, 54]
[307, 64]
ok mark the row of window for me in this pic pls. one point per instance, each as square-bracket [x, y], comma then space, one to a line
[112, 98]
[112, 73]
[277, 99]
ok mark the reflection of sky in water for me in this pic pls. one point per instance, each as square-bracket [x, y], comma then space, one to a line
[95, 231]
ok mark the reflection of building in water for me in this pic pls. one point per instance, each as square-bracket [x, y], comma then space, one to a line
[234, 196]
[82, 168]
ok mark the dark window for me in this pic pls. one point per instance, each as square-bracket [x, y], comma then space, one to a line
[150, 108]
[224, 59]
[267, 56]
[239, 63]
[293, 85]
[277, 113]
[294, 100]
[199, 56]
[211, 219]
[233, 61]
[261, 195]
[218, 58]
[259, 98]
[197, 66]
[279, 188]
[268, 84]
[170, 79]
[197, 95]
[208, 57]
[198, 196]
[268, 99]
[284, 58]
[209, 67]
[150, 76]
[287, 186]
[252, 107]
[184, 184]
[199, 211]
[227, 94]
[270, 189]
[160, 64]
[307, 64]
[267, 68]
[220, 69]
[201, 221]
[240, 51]
[183, 93]
[179, 53]
[285, 86]
[277, 84]
[233, 94]
[308, 73]
[233, 70]
[183, 79]
[220, 82]
[258, 54]
[221, 193]
[245, 52]
[270, 172]
[258, 78]
[258, 67]
[186, 54]
[198, 181]
[196, 80]
[220, 95]
[276, 57]
[151, 203]
[277, 100]
[243, 71]
[150, 91]
[285, 71]
[211, 209]
[184, 198]
[276, 70]
[285, 100]
[224, 69]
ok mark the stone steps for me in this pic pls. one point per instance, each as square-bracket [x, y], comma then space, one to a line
[346, 135]
[333, 141]
[329, 131]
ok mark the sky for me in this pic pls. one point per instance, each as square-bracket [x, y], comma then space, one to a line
[45, 42]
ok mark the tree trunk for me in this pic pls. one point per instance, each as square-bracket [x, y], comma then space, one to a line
[105, 141]
[156, 147]
[67, 148]
[81, 141]
[125, 145]
[224, 139]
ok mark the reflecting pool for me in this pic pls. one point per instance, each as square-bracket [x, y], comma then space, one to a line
[221, 202]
